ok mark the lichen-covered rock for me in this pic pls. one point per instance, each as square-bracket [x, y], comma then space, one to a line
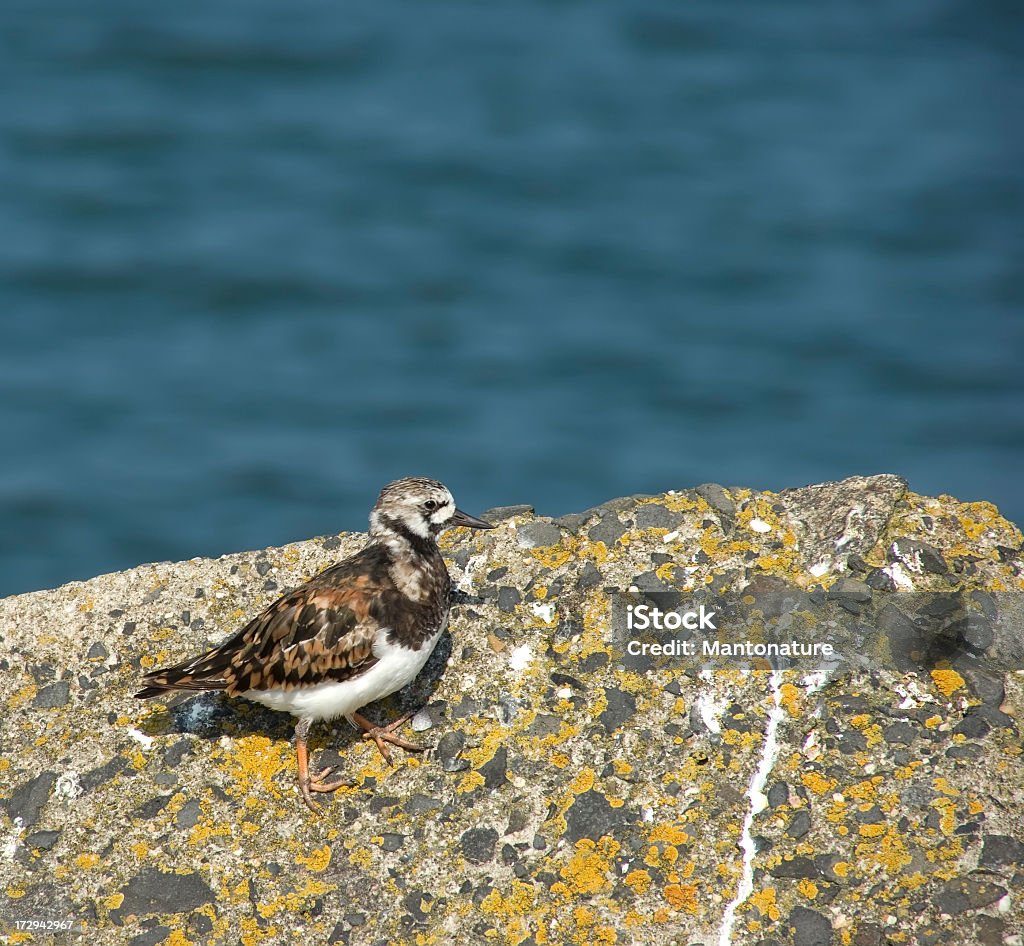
[578, 792]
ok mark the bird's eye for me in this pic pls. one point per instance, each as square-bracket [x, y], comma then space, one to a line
[431, 504]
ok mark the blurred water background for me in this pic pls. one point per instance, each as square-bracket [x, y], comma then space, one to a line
[257, 259]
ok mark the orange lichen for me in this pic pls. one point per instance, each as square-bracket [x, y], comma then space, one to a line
[682, 897]
[947, 681]
[639, 881]
[589, 869]
[817, 783]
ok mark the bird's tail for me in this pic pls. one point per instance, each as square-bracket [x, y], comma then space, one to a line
[202, 673]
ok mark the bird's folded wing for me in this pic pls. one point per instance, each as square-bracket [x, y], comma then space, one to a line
[316, 634]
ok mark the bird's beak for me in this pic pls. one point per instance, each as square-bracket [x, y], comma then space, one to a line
[459, 518]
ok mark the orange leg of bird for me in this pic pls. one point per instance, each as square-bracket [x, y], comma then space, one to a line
[311, 783]
[382, 734]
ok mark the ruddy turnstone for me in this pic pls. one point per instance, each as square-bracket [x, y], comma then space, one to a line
[355, 633]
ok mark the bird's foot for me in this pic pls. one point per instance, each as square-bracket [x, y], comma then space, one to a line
[384, 734]
[317, 783]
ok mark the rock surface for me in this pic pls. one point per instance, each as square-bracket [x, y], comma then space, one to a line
[576, 793]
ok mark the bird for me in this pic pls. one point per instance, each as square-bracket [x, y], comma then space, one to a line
[360, 630]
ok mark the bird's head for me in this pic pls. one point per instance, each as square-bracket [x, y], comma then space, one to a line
[418, 506]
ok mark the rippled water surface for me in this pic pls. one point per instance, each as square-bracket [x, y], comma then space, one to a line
[256, 260]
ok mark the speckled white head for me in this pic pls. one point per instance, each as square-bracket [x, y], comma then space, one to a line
[419, 506]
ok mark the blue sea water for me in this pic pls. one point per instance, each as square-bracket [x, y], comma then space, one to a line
[257, 259]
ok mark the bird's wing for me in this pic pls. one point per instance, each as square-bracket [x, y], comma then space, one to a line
[322, 631]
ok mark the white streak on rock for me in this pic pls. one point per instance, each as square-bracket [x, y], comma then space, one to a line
[899, 577]
[710, 711]
[815, 681]
[141, 738]
[759, 525]
[758, 802]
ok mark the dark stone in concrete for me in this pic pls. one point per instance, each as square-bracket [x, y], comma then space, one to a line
[539, 534]
[810, 928]
[42, 840]
[448, 748]
[653, 516]
[150, 937]
[590, 816]
[1001, 850]
[717, 498]
[798, 867]
[28, 799]
[477, 844]
[54, 695]
[498, 513]
[609, 530]
[621, 708]
[154, 891]
[508, 598]
[962, 894]
[495, 769]
[778, 794]
[900, 734]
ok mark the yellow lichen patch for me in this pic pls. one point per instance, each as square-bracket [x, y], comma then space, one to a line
[682, 897]
[21, 696]
[15, 893]
[871, 830]
[666, 572]
[764, 901]
[583, 782]
[177, 938]
[947, 809]
[317, 860]
[860, 720]
[470, 782]
[583, 916]
[589, 868]
[942, 785]
[841, 869]
[889, 853]
[670, 833]
[255, 761]
[947, 681]
[253, 934]
[555, 556]
[817, 782]
[87, 861]
[361, 857]
[932, 721]
[915, 880]
[559, 760]
[113, 902]
[639, 881]
[808, 888]
[865, 791]
[293, 901]
[791, 698]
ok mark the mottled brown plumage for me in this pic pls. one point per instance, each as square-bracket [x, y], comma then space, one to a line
[357, 631]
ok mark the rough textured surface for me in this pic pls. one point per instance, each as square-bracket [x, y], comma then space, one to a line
[573, 796]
